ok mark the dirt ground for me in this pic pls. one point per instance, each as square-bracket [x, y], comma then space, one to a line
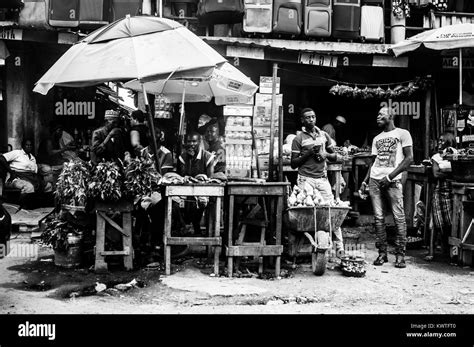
[39, 287]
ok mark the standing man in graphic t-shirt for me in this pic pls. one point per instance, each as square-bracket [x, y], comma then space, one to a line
[393, 152]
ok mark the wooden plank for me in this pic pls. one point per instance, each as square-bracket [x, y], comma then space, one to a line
[198, 241]
[256, 190]
[217, 230]
[166, 235]
[112, 223]
[384, 61]
[100, 264]
[185, 190]
[127, 241]
[247, 251]
[104, 253]
[119, 206]
[230, 218]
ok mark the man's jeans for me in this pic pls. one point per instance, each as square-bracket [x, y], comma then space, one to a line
[394, 196]
[322, 184]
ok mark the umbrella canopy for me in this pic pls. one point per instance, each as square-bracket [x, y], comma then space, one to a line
[132, 48]
[227, 85]
[447, 37]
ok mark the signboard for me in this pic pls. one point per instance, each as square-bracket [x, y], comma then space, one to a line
[453, 63]
[245, 52]
[317, 59]
[11, 34]
[266, 85]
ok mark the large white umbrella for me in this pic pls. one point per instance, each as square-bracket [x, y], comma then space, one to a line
[457, 36]
[133, 48]
[227, 85]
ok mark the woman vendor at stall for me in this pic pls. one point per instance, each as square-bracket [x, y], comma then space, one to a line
[19, 169]
[442, 207]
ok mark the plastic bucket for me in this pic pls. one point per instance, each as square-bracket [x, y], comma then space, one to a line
[71, 258]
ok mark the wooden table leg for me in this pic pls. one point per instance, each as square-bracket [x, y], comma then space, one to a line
[127, 241]
[278, 233]
[217, 229]
[167, 233]
[210, 212]
[100, 264]
[230, 262]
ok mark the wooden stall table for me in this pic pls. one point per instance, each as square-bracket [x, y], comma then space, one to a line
[214, 221]
[422, 175]
[462, 232]
[276, 190]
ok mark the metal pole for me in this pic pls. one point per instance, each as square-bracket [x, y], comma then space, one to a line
[161, 8]
[280, 144]
[152, 127]
[460, 76]
[272, 123]
[426, 152]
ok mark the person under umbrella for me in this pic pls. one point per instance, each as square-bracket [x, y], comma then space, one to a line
[108, 140]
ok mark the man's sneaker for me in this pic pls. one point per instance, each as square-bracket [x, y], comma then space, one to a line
[381, 259]
[400, 262]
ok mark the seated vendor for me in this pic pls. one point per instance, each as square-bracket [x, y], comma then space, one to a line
[54, 151]
[19, 170]
[195, 161]
[165, 157]
[310, 150]
[215, 147]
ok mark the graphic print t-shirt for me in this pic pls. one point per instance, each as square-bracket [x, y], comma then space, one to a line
[388, 149]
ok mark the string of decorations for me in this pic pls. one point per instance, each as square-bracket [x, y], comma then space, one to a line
[393, 90]
[379, 91]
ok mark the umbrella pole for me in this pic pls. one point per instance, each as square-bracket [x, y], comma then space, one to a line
[274, 112]
[460, 76]
[152, 127]
[181, 121]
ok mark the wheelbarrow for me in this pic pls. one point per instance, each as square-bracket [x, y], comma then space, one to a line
[316, 224]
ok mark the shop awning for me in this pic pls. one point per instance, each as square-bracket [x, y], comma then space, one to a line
[323, 47]
[323, 54]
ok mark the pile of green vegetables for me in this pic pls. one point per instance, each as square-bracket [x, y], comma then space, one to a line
[141, 177]
[106, 182]
[72, 186]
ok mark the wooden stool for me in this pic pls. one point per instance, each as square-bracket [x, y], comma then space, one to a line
[213, 240]
[102, 210]
[251, 220]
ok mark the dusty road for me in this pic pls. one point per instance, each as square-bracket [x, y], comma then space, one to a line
[422, 287]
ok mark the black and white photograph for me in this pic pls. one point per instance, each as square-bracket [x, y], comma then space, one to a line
[237, 158]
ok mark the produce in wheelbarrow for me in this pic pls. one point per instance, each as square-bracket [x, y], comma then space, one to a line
[307, 196]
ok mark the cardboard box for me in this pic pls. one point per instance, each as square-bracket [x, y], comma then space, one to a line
[266, 99]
